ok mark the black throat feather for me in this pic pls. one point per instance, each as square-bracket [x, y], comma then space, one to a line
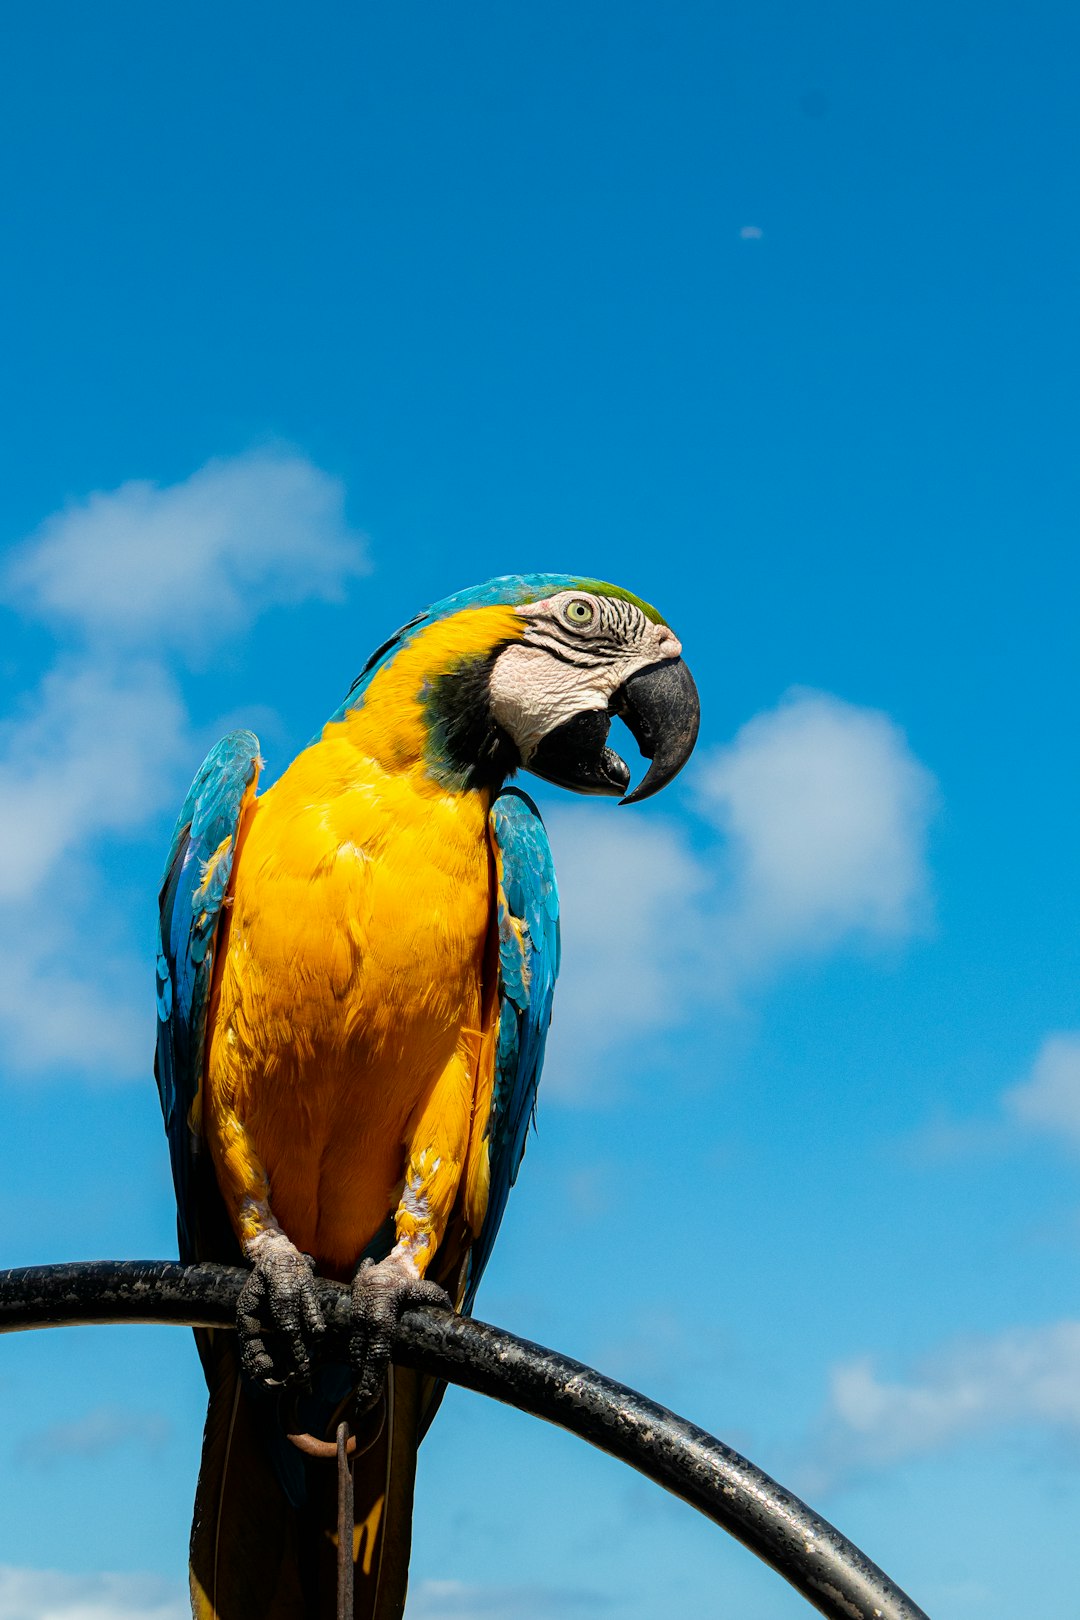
[467, 748]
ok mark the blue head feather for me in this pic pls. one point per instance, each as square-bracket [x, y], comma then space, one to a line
[509, 590]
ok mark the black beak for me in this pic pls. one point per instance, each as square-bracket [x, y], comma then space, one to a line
[659, 706]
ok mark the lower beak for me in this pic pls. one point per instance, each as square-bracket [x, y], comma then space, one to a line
[575, 756]
[659, 706]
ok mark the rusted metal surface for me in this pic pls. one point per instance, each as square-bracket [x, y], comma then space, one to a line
[345, 1519]
[811, 1554]
[341, 1450]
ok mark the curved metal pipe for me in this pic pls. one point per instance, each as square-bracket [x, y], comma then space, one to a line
[820, 1563]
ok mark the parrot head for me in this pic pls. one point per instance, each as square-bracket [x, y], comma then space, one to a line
[588, 653]
[531, 670]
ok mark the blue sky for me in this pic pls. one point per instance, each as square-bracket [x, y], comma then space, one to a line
[768, 313]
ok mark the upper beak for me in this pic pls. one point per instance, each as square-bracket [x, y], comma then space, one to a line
[659, 706]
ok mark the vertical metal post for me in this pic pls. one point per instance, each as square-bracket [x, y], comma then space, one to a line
[345, 1522]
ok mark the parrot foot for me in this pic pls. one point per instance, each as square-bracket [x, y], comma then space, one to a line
[278, 1313]
[381, 1294]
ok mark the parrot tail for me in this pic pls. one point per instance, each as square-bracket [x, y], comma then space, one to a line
[264, 1537]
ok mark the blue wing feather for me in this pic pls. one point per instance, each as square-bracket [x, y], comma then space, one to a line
[528, 924]
[192, 893]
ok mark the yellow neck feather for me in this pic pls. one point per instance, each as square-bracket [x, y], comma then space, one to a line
[390, 725]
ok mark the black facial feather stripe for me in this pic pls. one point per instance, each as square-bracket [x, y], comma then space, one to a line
[568, 651]
[468, 748]
[622, 616]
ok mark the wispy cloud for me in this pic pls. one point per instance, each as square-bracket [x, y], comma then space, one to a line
[95, 750]
[1048, 1099]
[944, 1140]
[43, 1594]
[1046, 1102]
[823, 812]
[65, 1003]
[179, 564]
[133, 580]
[101, 1430]
[633, 899]
[1025, 1378]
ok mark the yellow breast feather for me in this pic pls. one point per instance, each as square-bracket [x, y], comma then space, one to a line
[346, 1036]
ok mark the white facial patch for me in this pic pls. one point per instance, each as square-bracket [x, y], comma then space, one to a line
[562, 669]
[532, 693]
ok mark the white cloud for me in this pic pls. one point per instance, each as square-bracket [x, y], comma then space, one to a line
[1049, 1098]
[825, 812]
[1046, 1100]
[67, 1002]
[96, 749]
[631, 897]
[42, 1594]
[102, 746]
[1024, 1378]
[100, 749]
[945, 1140]
[183, 563]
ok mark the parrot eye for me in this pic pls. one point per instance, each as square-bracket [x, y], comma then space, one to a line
[579, 612]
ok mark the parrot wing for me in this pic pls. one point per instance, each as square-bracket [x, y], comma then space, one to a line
[528, 924]
[192, 895]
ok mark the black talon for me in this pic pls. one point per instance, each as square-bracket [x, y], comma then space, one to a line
[381, 1294]
[278, 1314]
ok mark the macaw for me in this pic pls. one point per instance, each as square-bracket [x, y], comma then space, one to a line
[355, 976]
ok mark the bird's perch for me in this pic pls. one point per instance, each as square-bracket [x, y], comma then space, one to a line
[820, 1563]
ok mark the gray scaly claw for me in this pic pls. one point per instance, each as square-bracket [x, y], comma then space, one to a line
[278, 1315]
[381, 1294]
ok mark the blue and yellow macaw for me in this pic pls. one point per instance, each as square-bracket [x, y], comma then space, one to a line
[355, 979]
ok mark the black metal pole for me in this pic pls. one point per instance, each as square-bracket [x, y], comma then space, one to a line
[820, 1563]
